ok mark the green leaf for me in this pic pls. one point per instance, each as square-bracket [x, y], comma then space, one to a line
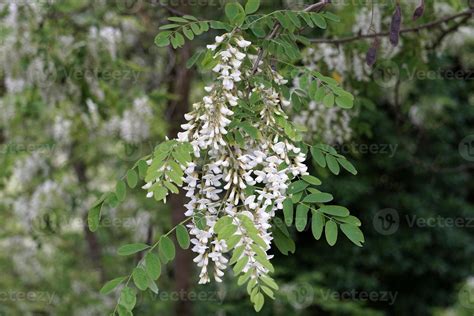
[312, 180]
[169, 26]
[163, 39]
[293, 18]
[258, 302]
[353, 233]
[235, 13]
[317, 225]
[320, 197]
[179, 39]
[301, 217]
[153, 266]
[268, 291]
[194, 59]
[122, 311]
[288, 211]
[252, 6]
[170, 186]
[112, 200]
[335, 210]
[128, 298]
[307, 18]
[204, 26]
[241, 263]
[121, 191]
[227, 232]
[333, 164]
[218, 25]
[167, 248]
[190, 17]
[130, 249]
[196, 29]
[140, 278]
[237, 253]
[297, 187]
[331, 233]
[250, 130]
[159, 193]
[319, 20]
[153, 287]
[111, 285]
[297, 197]
[345, 102]
[132, 178]
[223, 222]
[347, 165]
[142, 168]
[188, 33]
[93, 218]
[349, 220]
[318, 156]
[270, 282]
[331, 16]
[319, 95]
[328, 100]
[285, 21]
[283, 242]
[182, 236]
[233, 241]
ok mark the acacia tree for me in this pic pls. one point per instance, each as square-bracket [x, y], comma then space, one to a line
[331, 125]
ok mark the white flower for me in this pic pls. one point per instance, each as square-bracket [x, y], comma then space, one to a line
[243, 43]
[220, 39]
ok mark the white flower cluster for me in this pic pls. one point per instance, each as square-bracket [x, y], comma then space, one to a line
[134, 125]
[225, 179]
[29, 259]
[25, 170]
[328, 125]
[62, 130]
[29, 210]
[363, 19]
[109, 36]
[332, 56]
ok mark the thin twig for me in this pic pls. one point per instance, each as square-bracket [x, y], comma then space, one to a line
[468, 13]
[448, 31]
[171, 9]
[314, 7]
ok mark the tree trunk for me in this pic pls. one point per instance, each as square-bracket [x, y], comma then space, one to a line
[94, 247]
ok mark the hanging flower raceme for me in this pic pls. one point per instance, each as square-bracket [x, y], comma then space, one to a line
[245, 183]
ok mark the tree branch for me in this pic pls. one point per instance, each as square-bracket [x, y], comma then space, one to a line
[467, 14]
[316, 7]
[170, 9]
[448, 31]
